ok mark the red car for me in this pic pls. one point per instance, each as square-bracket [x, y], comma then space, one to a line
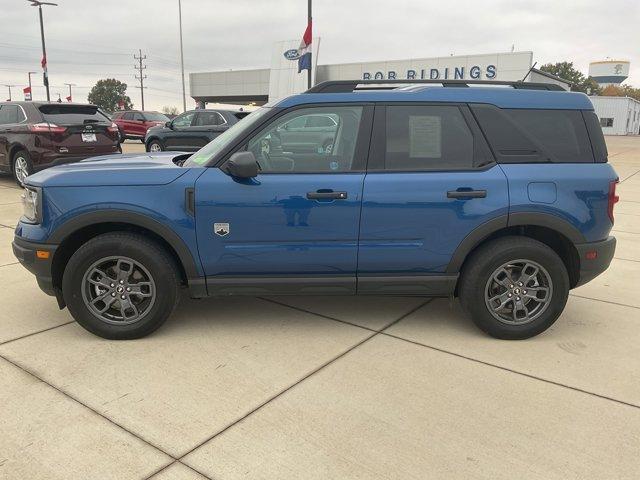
[36, 135]
[133, 124]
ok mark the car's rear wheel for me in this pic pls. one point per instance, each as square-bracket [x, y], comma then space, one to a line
[120, 286]
[154, 146]
[514, 287]
[21, 166]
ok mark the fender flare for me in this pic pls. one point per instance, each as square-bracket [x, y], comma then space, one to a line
[480, 233]
[136, 219]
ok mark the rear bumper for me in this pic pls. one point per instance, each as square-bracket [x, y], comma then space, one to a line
[51, 159]
[603, 252]
[25, 252]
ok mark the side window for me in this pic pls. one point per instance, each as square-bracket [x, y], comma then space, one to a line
[562, 133]
[535, 136]
[282, 146]
[325, 121]
[127, 116]
[209, 118]
[8, 114]
[138, 117]
[606, 122]
[184, 120]
[425, 137]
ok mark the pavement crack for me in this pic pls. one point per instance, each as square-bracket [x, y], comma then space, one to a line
[36, 333]
[305, 377]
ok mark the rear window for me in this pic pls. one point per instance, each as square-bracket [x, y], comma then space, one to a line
[597, 138]
[72, 114]
[530, 136]
[155, 117]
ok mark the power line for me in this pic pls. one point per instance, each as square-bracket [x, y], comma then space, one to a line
[141, 77]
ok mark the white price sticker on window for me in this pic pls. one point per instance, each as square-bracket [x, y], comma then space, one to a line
[425, 136]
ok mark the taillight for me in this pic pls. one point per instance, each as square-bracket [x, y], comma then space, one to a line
[45, 127]
[613, 198]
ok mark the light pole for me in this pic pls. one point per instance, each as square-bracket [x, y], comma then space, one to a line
[184, 97]
[30, 89]
[9, 87]
[45, 75]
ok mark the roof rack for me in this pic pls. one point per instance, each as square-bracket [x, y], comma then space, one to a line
[348, 86]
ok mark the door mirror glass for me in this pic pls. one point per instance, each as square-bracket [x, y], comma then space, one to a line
[242, 165]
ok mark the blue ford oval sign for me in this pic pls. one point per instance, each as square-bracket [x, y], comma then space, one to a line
[292, 54]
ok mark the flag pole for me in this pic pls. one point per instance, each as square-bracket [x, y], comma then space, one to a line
[308, 23]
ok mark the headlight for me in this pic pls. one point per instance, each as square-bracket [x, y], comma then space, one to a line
[32, 204]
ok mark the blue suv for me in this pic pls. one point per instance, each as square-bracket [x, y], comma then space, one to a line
[498, 194]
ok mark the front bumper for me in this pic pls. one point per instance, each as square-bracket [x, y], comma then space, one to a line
[595, 258]
[30, 256]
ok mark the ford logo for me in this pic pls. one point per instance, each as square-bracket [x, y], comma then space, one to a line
[292, 54]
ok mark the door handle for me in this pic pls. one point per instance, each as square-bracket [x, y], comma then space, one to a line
[326, 195]
[466, 193]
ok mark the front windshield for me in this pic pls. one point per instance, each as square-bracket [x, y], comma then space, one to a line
[216, 145]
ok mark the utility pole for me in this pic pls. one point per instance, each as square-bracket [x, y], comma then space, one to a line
[140, 68]
[70, 85]
[9, 87]
[43, 62]
[184, 96]
[30, 89]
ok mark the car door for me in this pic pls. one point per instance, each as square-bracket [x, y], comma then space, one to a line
[126, 123]
[293, 228]
[430, 182]
[11, 118]
[207, 125]
[180, 135]
[138, 126]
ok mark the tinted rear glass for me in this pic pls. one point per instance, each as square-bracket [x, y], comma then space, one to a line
[155, 117]
[530, 136]
[597, 138]
[72, 114]
[241, 115]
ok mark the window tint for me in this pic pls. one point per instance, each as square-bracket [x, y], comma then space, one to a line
[127, 116]
[598, 143]
[530, 136]
[209, 118]
[72, 114]
[138, 117]
[156, 117]
[9, 114]
[320, 121]
[280, 148]
[184, 120]
[562, 133]
[427, 138]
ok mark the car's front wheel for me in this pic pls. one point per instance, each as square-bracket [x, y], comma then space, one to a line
[514, 287]
[21, 166]
[120, 286]
[154, 146]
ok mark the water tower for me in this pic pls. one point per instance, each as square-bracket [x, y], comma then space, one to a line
[609, 72]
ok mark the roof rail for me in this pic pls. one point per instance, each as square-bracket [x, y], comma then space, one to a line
[347, 86]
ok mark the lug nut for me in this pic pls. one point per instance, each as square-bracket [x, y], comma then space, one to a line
[524, 292]
[113, 294]
[510, 286]
[122, 297]
[509, 295]
[121, 282]
[112, 285]
[129, 289]
[518, 299]
[520, 284]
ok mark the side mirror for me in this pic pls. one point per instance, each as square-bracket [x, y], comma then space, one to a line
[169, 124]
[242, 165]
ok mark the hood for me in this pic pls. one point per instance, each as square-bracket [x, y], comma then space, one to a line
[112, 170]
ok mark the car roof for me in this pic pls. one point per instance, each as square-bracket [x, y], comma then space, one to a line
[503, 97]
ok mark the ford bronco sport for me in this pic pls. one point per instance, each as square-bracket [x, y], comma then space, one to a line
[500, 195]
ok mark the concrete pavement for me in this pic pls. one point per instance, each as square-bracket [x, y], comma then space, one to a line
[326, 387]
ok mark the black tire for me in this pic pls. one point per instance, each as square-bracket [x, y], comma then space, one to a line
[158, 264]
[121, 136]
[21, 158]
[155, 142]
[475, 290]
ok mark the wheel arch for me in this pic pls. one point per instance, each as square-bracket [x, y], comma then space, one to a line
[147, 141]
[553, 231]
[13, 149]
[72, 234]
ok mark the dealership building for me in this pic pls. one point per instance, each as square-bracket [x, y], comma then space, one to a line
[282, 78]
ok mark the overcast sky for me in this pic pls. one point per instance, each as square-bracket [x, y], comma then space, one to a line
[89, 40]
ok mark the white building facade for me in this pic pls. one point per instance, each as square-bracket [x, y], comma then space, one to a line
[618, 115]
[282, 78]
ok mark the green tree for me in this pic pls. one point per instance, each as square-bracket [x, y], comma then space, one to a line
[621, 91]
[579, 82]
[107, 93]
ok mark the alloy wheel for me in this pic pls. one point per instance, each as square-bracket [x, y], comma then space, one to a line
[21, 168]
[518, 292]
[118, 290]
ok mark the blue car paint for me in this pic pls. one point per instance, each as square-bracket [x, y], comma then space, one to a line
[275, 229]
[405, 224]
[415, 229]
